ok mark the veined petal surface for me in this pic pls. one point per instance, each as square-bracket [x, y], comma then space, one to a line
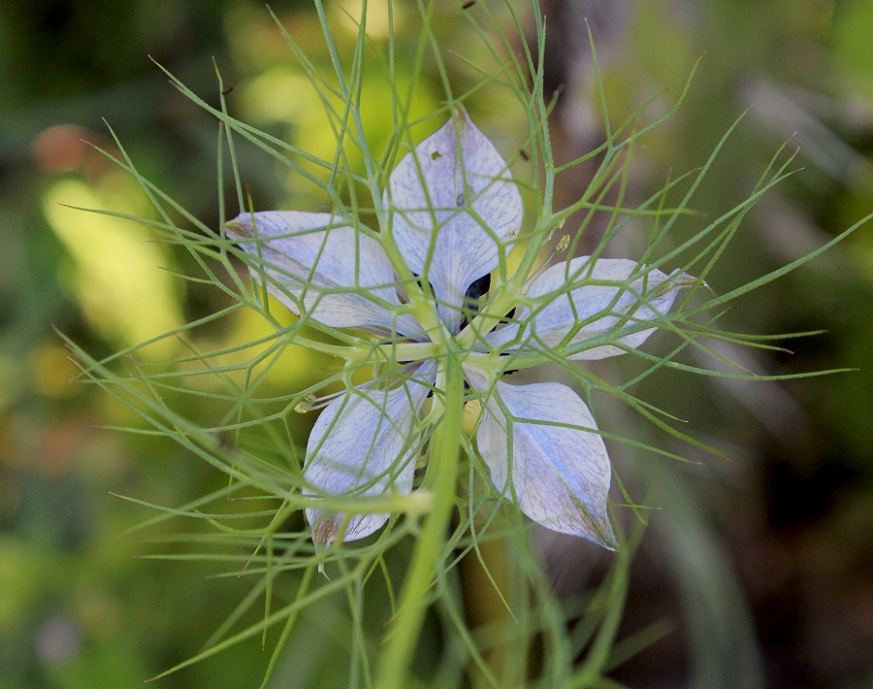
[605, 299]
[363, 444]
[454, 206]
[543, 451]
[321, 268]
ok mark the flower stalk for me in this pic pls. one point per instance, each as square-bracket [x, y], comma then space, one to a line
[442, 477]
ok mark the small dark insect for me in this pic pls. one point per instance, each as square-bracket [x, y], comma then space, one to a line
[468, 5]
[227, 90]
[525, 156]
[460, 200]
[223, 440]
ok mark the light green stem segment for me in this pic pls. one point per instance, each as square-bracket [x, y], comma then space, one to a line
[393, 668]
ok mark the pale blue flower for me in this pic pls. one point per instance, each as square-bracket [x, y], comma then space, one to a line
[450, 212]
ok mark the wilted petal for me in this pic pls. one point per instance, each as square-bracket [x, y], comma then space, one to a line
[559, 473]
[454, 206]
[361, 445]
[320, 267]
[591, 309]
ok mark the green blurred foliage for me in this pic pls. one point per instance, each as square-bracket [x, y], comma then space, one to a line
[76, 608]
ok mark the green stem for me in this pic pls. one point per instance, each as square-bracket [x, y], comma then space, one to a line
[397, 655]
[411, 351]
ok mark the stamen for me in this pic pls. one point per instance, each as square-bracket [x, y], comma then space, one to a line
[306, 405]
[313, 402]
[561, 247]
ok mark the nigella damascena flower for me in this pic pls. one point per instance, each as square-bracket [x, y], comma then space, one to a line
[447, 218]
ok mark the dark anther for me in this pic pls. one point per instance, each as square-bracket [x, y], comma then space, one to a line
[510, 371]
[471, 296]
[476, 290]
[460, 200]
[421, 283]
[227, 91]
[508, 317]
[467, 5]
[524, 155]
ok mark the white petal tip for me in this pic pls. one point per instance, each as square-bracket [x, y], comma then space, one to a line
[328, 527]
[597, 531]
[326, 530]
[605, 537]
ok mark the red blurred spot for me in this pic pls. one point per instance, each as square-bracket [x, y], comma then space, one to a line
[64, 148]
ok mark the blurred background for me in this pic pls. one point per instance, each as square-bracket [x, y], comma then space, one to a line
[760, 563]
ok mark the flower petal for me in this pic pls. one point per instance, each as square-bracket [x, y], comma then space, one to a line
[455, 205]
[321, 268]
[560, 471]
[361, 445]
[574, 315]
